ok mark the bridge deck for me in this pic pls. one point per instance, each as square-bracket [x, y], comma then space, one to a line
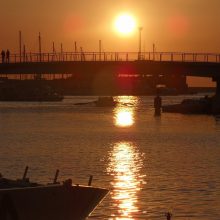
[204, 69]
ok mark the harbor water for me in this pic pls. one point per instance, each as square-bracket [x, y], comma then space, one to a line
[152, 165]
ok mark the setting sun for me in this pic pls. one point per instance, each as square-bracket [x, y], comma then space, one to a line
[125, 24]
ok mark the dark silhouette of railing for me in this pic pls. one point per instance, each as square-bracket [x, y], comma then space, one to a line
[115, 56]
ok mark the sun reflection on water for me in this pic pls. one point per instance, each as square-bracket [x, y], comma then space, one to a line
[124, 114]
[125, 165]
[124, 118]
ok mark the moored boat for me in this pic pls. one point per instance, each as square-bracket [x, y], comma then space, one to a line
[22, 200]
[105, 101]
[190, 106]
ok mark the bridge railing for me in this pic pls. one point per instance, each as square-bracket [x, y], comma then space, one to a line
[114, 56]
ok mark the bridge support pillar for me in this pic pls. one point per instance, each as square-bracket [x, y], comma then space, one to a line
[216, 98]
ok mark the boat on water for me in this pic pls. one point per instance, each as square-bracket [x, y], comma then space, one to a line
[106, 101]
[23, 200]
[191, 106]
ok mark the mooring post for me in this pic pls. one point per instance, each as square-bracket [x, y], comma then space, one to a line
[56, 176]
[90, 180]
[157, 105]
[168, 215]
[25, 173]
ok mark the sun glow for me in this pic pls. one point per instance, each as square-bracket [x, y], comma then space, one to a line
[125, 24]
[124, 119]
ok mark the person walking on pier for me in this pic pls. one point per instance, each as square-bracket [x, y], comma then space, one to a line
[3, 56]
[7, 56]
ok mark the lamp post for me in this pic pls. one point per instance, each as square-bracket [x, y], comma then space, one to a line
[139, 52]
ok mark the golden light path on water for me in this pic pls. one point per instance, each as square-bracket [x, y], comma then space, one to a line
[125, 165]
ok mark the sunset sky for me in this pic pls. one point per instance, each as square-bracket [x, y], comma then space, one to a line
[173, 25]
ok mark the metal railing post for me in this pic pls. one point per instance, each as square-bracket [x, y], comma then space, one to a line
[115, 56]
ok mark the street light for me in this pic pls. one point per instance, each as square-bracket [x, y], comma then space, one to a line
[139, 52]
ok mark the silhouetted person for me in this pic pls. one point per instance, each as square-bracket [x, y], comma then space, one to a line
[168, 215]
[157, 105]
[7, 56]
[3, 56]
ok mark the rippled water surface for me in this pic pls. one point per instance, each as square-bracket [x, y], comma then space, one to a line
[151, 164]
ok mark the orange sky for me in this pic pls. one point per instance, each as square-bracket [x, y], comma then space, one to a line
[173, 25]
